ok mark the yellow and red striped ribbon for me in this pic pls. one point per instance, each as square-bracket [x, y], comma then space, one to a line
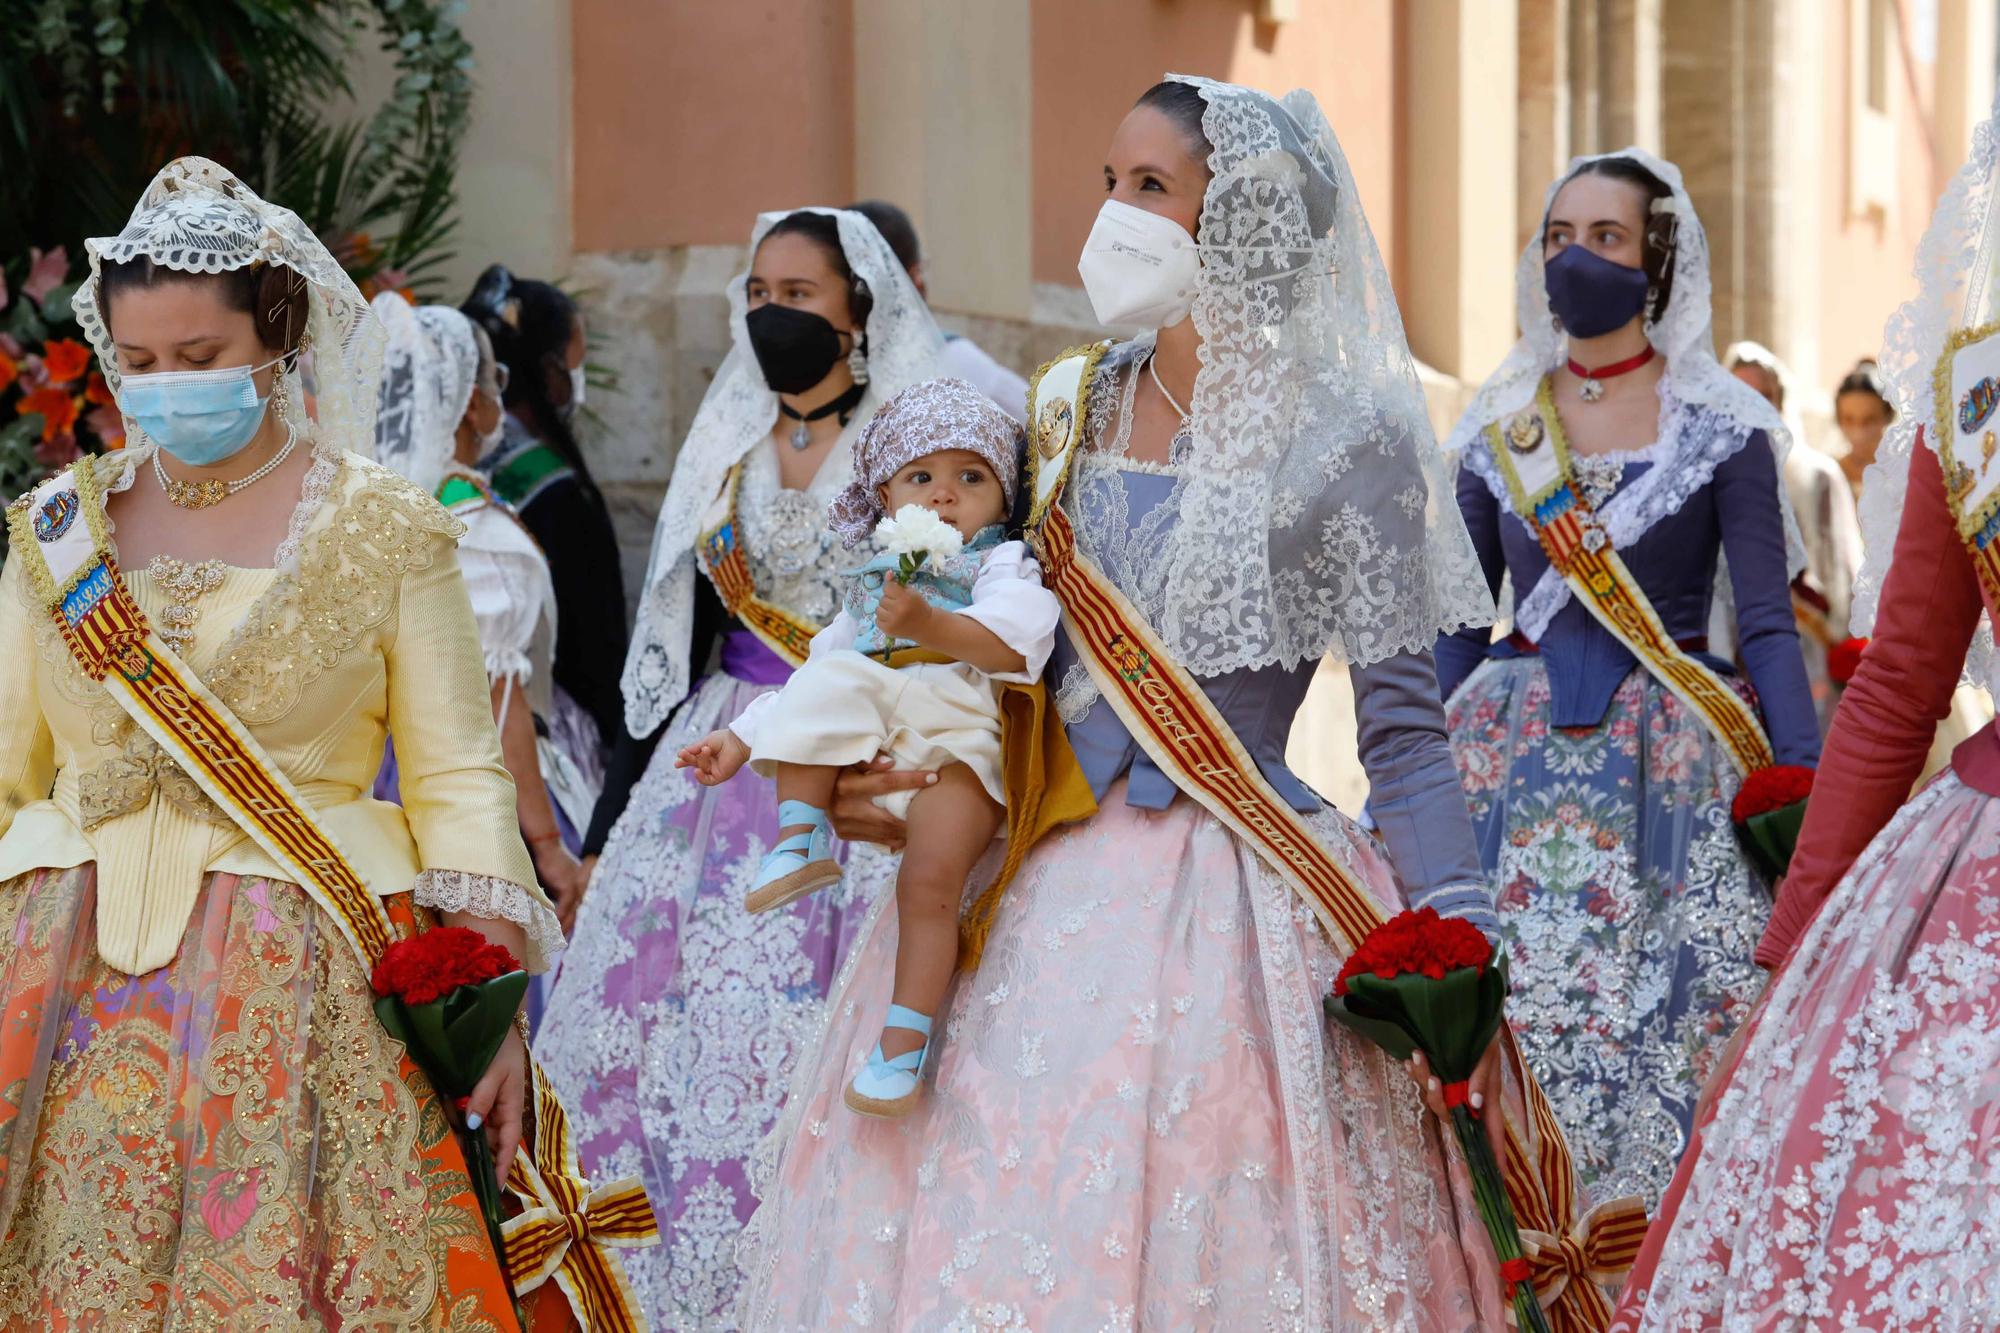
[568, 1224]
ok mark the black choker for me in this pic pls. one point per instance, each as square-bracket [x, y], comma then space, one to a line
[845, 405]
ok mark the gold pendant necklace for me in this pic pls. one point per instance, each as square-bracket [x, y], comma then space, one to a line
[186, 584]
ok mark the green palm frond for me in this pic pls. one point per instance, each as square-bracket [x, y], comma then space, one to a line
[96, 94]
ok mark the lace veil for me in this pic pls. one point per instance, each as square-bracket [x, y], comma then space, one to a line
[1958, 287]
[1312, 513]
[429, 368]
[197, 217]
[1706, 413]
[736, 413]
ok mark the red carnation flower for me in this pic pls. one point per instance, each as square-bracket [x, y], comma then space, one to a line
[1843, 659]
[432, 965]
[1419, 941]
[1770, 789]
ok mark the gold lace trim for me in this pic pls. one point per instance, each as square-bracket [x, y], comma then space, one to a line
[349, 572]
[120, 786]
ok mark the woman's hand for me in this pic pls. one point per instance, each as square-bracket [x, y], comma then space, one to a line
[1486, 1087]
[497, 1104]
[903, 614]
[563, 876]
[854, 814]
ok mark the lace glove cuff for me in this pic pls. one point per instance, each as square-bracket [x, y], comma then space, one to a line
[496, 900]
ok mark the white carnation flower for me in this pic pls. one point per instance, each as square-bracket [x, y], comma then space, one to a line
[917, 531]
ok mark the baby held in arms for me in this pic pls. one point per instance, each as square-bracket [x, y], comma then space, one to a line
[934, 626]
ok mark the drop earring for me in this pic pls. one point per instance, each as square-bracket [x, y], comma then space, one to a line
[857, 364]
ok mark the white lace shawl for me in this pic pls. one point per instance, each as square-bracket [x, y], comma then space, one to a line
[1706, 413]
[1313, 514]
[430, 366]
[1955, 290]
[735, 415]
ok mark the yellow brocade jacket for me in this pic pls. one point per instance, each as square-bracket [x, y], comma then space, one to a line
[362, 628]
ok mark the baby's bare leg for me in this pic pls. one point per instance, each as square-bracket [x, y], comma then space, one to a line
[951, 825]
[811, 783]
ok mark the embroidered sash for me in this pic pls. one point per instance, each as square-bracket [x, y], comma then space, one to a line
[1533, 456]
[1966, 384]
[59, 531]
[1166, 711]
[721, 549]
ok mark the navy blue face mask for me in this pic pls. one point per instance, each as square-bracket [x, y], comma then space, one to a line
[1591, 295]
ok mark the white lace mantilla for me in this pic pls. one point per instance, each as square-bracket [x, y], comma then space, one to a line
[495, 900]
[1693, 441]
[1311, 514]
[1954, 291]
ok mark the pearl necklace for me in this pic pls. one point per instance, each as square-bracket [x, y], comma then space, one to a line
[1183, 433]
[206, 494]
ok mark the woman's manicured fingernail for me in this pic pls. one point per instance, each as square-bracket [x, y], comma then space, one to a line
[930, 779]
[474, 1120]
[1478, 1100]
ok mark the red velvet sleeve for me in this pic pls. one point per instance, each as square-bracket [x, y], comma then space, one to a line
[1889, 714]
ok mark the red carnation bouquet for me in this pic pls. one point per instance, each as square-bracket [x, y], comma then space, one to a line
[1422, 982]
[1768, 810]
[449, 995]
[1843, 659]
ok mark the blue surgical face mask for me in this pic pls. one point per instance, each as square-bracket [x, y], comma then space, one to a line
[201, 417]
[1591, 295]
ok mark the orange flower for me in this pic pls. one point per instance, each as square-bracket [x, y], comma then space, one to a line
[58, 410]
[9, 372]
[97, 392]
[66, 359]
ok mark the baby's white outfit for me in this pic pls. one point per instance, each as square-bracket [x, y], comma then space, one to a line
[844, 706]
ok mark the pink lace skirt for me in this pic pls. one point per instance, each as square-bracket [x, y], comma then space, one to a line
[1137, 1120]
[1849, 1176]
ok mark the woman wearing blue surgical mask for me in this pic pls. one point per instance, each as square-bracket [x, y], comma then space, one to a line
[1137, 1116]
[210, 633]
[1609, 466]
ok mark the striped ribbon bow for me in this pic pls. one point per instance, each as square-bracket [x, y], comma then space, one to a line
[567, 1225]
[1600, 1249]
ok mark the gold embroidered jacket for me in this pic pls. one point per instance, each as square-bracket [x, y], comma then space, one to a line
[365, 628]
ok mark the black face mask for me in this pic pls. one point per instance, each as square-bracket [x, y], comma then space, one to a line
[795, 348]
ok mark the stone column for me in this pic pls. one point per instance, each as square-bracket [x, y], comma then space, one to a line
[1743, 122]
[1544, 102]
[1615, 74]
[1965, 49]
[1459, 76]
[945, 135]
